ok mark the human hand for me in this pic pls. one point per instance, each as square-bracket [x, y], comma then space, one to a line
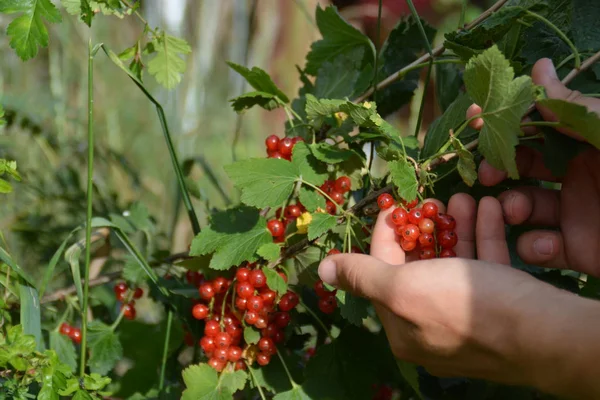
[478, 319]
[575, 209]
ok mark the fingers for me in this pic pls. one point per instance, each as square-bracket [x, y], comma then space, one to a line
[490, 233]
[529, 162]
[531, 205]
[542, 248]
[361, 275]
[463, 208]
[385, 244]
[472, 111]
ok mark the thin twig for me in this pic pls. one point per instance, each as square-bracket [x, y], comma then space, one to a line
[425, 58]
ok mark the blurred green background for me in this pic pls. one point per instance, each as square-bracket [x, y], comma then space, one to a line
[46, 105]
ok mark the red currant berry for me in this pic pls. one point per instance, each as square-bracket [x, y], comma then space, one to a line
[415, 216]
[191, 277]
[330, 207]
[426, 240]
[120, 287]
[251, 317]
[430, 210]
[241, 303]
[285, 146]
[426, 225]
[288, 301]
[282, 319]
[65, 329]
[244, 290]
[242, 274]
[408, 245]
[276, 227]
[338, 197]
[270, 330]
[207, 291]
[221, 354]
[266, 345]
[356, 250]
[445, 222]
[208, 344]
[411, 232]
[255, 303]
[447, 253]
[328, 303]
[268, 296]
[342, 184]
[297, 139]
[447, 239]
[263, 359]
[128, 311]
[261, 323]
[240, 366]
[411, 204]
[333, 251]
[234, 353]
[257, 278]
[427, 254]
[216, 364]
[75, 335]
[222, 340]
[275, 154]
[200, 311]
[385, 201]
[327, 187]
[320, 288]
[283, 276]
[292, 212]
[188, 339]
[272, 143]
[138, 293]
[219, 284]
[211, 328]
[399, 216]
[121, 296]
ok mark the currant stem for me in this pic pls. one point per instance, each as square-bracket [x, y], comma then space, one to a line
[316, 317]
[260, 392]
[318, 189]
[561, 34]
[287, 371]
[163, 365]
[540, 123]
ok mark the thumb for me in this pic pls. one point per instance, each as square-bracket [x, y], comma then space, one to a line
[360, 274]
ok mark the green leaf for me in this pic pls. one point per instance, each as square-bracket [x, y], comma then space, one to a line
[2, 121]
[306, 264]
[439, 131]
[168, 66]
[5, 187]
[275, 281]
[311, 169]
[251, 99]
[330, 154]
[403, 176]
[466, 163]
[234, 236]
[339, 37]
[321, 223]
[105, 348]
[297, 393]
[259, 80]
[410, 375]
[133, 273]
[402, 46]
[448, 81]
[64, 348]
[311, 199]
[504, 100]
[202, 383]
[575, 117]
[28, 32]
[31, 314]
[251, 335]
[265, 182]
[317, 110]
[558, 150]
[269, 251]
[354, 168]
[339, 77]
[8, 260]
[87, 14]
[352, 308]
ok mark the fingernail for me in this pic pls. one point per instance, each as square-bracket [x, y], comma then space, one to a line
[544, 246]
[328, 272]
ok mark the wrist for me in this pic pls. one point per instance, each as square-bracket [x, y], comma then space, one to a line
[561, 345]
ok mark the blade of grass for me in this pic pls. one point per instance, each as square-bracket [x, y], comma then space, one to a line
[7, 259]
[53, 262]
[31, 314]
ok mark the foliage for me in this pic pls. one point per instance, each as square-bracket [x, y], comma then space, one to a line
[336, 119]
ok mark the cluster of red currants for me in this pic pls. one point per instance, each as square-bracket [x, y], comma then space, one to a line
[122, 293]
[70, 331]
[281, 148]
[327, 300]
[229, 306]
[277, 225]
[422, 228]
[336, 190]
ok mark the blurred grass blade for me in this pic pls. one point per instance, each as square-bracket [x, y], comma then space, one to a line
[53, 262]
[187, 201]
[30, 314]
[101, 222]
[7, 259]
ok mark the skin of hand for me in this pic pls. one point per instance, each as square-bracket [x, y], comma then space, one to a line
[575, 209]
[475, 318]
[481, 318]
